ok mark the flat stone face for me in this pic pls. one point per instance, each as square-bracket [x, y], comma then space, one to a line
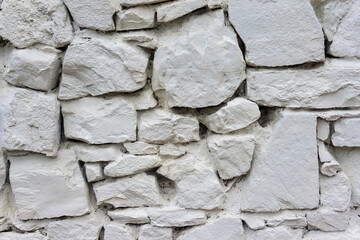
[141, 148]
[95, 14]
[100, 153]
[333, 85]
[88, 67]
[50, 23]
[212, 65]
[33, 68]
[346, 133]
[2, 170]
[277, 233]
[288, 33]
[135, 18]
[148, 232]
[173, 10]
[176, 217]
[328, 220]
[22, 236]
[94, 172]
[33, 178]
[130, 215]
[29, 121]
[282, 176]
[98, 120]
[115, 230]
[134, 191]
[129, 3]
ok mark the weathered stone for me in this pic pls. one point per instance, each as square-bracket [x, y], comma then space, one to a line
[276, 233]
[99, 153]
[346, 133]
[332, 85]
[128, 164]
[115, 230]
[173, 10]
[34, 68]
[89, 67]
[172, 150]
[141, 148]
[148, 232]
[288, 34]
[130, 3]
[98, 120]
[176, 217]
[133, 191]
[3, 169]
[212, 4]
[130, 215]
[232, 154]
[22, 236]
[29, 121]
[94, 172]
[225, 228]
[328, 220]
[29, 22]
[135, 18]
[329, 166]
[46, 187]
[144, 39]
[236, 114]
[160, 126]
[143, 99]
[281, 176]
[323, 129]
[212, 66]
[96, 14]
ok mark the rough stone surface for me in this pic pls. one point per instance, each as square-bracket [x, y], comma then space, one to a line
[176, 217]
[99, 153]
[130, 3]
[329, 166]
[135, 18]
[173, 10]
[323, 129]
[141, 148]
[94, 172]
[328, 220]
[346, 133]
[172, 150]
[148, 232]
[116, 230]
[130, 215]
[22, 236]
[3, 170]
[277, 233]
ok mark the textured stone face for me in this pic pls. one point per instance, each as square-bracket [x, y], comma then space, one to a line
[346, 133]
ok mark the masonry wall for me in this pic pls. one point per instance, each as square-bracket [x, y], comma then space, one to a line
[179, 119]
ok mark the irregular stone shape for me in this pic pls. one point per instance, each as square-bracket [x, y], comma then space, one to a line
[115, 230]
[33, 179]
[31, 22]
[176, 9]
[88, 67]
[129, 215]
[276, 233]
[144, 39]
[143, 99]
[172, 150]
[346, 133]
[288, 34]
[323, 129]
[130, 3]
[327, 220]
[335, 192]
[225, 228]
[34, 68]
[212, 66]
[128, 164]
[141, 148]
[349, 159]
[232, 154]
[100, 153]
[98, 120]
[93, 14]
[94, 172]
[29, 121]
[135, 18]
[134, 191]
[332, 85]
[212, 4]
[269, 187]
[329, 166]
[3, 170]
[176, 217]
[160, 126]
[22, 236]
[293, 220]
[148, 232]
[236, 114]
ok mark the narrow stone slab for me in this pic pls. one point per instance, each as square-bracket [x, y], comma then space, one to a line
[173, 10]
[141, 148]
[346, 133]
[176, 217]
[135, 18]
[97, 153]
[130, 215]
[130, 3]
[149, 232]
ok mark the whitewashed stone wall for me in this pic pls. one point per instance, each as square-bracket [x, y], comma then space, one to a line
[179, 119]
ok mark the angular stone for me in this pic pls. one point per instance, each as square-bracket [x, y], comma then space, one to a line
[33, 179]
[130, 3]
[144, 39]
[236, 114]
[290, 219]
[329, 166]
[332, 85]
[328, 220]
[34, 68]
[287, 34]
[22, 236]
[115, 230]
[130, 215]
[3, 169]
[143, 99]
[135, 18]
[212, 4]
[98, 120]
[128, 164]
[176, 217]
[276, 233]
[148, 232]
[88, 67]
[100, 153]
[176, 9]
[323, 129]
[346, 133]
[141, 148]
[160, 126]
[335, 192]
[31, 22]
[172, 150]
[232, 154]
[29, 121]
[134, 191]
[212, 65]
[96, 14]
[269, 187]
[94, 172]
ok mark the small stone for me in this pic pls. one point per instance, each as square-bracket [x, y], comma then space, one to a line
[141, 38]
[3, 169]
[212, 4]
[346, 133]
[100, 153]
[254, 223]
[34, 68]
[133, 191]
[115, 230]
[172, 150]
[130, 215]
[276, 233]
[291, 219]
[176, 217]
[94, 172]
[148, 232]
[141, 148]
[131, 3]
[236, 114]
[128, 164]
[135, 18]
[232, 154]
[176, 9]
[22, 236]
[323, 129]
[98, 120]
[328, 220]
[329, 166]
[143, 99]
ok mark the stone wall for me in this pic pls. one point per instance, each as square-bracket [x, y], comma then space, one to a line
[179, 119]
